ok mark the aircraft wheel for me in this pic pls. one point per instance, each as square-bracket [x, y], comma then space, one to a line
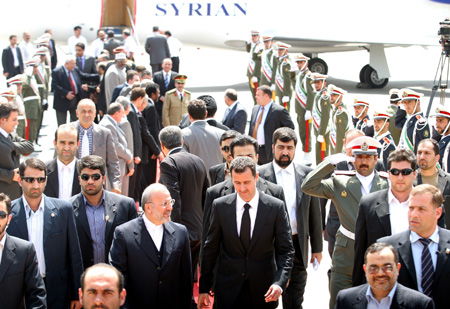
[372, 79]
[318, 65]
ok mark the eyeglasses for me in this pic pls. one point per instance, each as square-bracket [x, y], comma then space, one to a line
[3, 214]
[405, 172]
[164, 204]
[226, 148]
[375, 269]
[32, 179]
[86, 177]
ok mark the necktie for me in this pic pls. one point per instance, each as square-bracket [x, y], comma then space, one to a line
[181, 96]
[72, 84]
[427, 268]
[166, 81]
[81, 63]
[257, 123]
[10, 137]
[245, 227]
[85, 145]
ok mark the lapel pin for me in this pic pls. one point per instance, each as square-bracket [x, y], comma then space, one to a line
[351, 181]
[344, 193]
[52, 215]
[447, 251]
[106, 218]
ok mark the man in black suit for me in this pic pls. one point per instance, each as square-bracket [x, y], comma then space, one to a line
[221, 172]
[98, 210]
[381, 266]
[153, 255]
[50, 225]
[62, 175]
[52, 49]
[251, 238]
[87, 65]
[165, 80]
[267, 116]
[12, 59]
[19, 272]
[425, 248]
[303, 210]
[158, 49]
[111, 43]
[235, 116]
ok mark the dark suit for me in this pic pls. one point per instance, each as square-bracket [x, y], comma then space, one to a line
[267, 261]
[109, 45]
[158, 78]
[62, 253]
[217, 173]
[158, 49]
[407, 275]
[236, 118]
[54, 56]
[89, 67]
[277, 117]
[8, 62]
[52, 187]
[355, 298]
[117, 90]
[118, 209]
[213, 122]
[134, 188]
[10, 152]
[20, 277]
[152, 282]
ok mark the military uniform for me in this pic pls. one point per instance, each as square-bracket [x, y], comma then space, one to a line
[32, 101]
[321, 119]
[444, 142]
[387, 146]
[20, 129]
[344, 189]
[174, 108]
[254, 64]
[340, 121]
[392, 110]
[283, 79]
[42, 80]
[268, 66]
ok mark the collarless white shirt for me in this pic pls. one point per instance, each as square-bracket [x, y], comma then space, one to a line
[65, 177]
[35, 226]
[156, 231]
[252, 211]
[417, 248]
[398, 214]
[286, 179]
[366, 182]
[260, 133]
[2, 246]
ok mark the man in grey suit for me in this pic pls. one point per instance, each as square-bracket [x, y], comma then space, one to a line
[111, 43]
[158, 49]
[11, 147]
[96, 140]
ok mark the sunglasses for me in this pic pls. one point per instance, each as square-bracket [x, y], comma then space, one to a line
[32, 179]
[385, 269]
[225, 148]
[86, 177]
[3, 214]
[405, 172]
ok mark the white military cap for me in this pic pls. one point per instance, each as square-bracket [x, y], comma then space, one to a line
[364, 145]
[441, 111]
[408, 94]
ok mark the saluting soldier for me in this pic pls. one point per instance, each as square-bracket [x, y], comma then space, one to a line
[340, 119]
[416, 127]
[175, 102]
[381, 122]
[16, 83]
[283, 79]
[443, 128]
[394, 99]
[321, 116]
[42, 78]
[255, 48]
[361, 118]
[345, 189]
[268, 63]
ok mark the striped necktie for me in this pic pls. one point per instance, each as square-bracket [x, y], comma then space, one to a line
[427, 268]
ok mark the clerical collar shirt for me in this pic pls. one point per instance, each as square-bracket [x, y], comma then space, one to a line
[385, 303]
[260, 133]
[417, 248]
[2, 247]
[286, 179]
[366, 182]
[252, 211]
[398, 214]
[35, 226]
[65, 177]
[97, 226]
[156, 231]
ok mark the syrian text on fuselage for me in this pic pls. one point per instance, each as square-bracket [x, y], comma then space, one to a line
[201, 9]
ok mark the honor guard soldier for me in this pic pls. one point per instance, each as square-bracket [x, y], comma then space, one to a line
[43, 78]
[394, 99]
[361, 118]
[340, 119]
[321, 115]
[175, 102]
[304, 100]
[255, 48]
[16, 83]
[443, 128]
[44, 41]
[269, 62]
[32, 100]
[283, 79]
[345, 189]
[381, 122]
[45, 69]
[416, 127]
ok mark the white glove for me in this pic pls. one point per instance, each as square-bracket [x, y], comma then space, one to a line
[254, 79]
[44, 102]
[272, 87]
[340, 157]
[320, 139]
[285, 99]
[308, 115]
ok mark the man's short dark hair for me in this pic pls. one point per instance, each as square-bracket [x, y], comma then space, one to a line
[32, 163]
[231, 94]
[241, 164]
[140, 68]
[92, 162]
[12, 36]
[436, 195]
[211, 105]
[137, 93]
[171, 137]
[227, 135]
[432, 141]
[197, 109]
[400, 155]
[266, 90]
[151, 89]
[80, 45]
[131, 74]
[243, 140]
[110, 33]
[6, 109]
[126, 32]
[145, 72]
[66, 126]
[114, 108]
[285, 135]
[379, 246]
[76, 28]
[168, 33]
[121, 280]
[155, 28]
[5, 198]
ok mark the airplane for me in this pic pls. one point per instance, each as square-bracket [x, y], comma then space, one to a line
[311, 27]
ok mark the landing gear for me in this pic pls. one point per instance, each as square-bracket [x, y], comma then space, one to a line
[318, 65]
[369, 77]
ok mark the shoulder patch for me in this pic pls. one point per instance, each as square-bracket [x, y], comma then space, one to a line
[386, 140]
[384, 174]
[171, 91]
[420, 119]
[346, 173]
[365, 120]
[186, 91]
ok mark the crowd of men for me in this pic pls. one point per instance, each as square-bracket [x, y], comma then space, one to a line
[146, 185]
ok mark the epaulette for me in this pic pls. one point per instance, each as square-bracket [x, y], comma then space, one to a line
[186, 91]
[346, 173]
[421, 119]
[386, 140]
[365, 120]
[171, 91]
[384, 174]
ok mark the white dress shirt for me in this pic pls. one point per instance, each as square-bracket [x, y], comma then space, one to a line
[27, 50]
[65, 177]
[97, 46]
[366, 182]
[385, 303]
[156, 231]
[252, 212]
[4, 133]
[73, 40]
[286, 179]
[130, 45]
[417, 248]
[15, 56]
[2, 246]
[35, 226]
[398, 214]
[174, 46]
[260, 133]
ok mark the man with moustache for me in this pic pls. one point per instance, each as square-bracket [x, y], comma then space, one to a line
[221, 172]
[442, 126]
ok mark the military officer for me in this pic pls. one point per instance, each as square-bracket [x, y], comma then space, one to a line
[175, 102]
[16, 83]
[255, 48]
[361, 118]
[345, 189]
[394, 99]
[42, 78]
[443, 128]
[304, 100]
[383, 136]
[269, 62]
[416, 127]
[283, 79]
[340, 119]
[321, 116]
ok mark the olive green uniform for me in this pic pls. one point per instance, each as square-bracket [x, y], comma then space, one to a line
[268, 67]
[283, 80]
[42, 81]
[395, 132]
[254, 65]
[320, 118]
[33, 106]
[304, 101]
[339, 125]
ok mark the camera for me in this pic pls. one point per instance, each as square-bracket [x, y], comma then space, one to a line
[444, 32]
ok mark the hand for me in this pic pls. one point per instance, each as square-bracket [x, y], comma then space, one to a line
[308, 115]
[203, 301]
[131, 160]
[70, 95]
[161, 98]
[340, 157]
[116, 190]
[101, 113]
[98, 89]
[131, 172]
[161, 156]
[137, 160]
[272, 87]
[320, 139]
[153, 157]
[44, 102]
[317, 256]
[6, 74]
[75, 304]
[285, 99]
[84, 87]
[254, 79]
[16, 175]
[273, 293]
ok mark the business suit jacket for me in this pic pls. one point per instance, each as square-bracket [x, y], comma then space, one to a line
[117, 90]
[136, 128]
[355, 298]
[236, 118]
[185, 177]
[8, 60]
[62, 253]
[277, 117]
[267, 261]
[118, 209]
[20, 277]
[149, 283]
[54, 55]
[213, 122]
[149, 145]
[89, 66]
[52, 187]
[309, 222]
[158, 78]
[10, 151]
[157, 48]
[217, 173]
[407, 275]
[110, 45]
